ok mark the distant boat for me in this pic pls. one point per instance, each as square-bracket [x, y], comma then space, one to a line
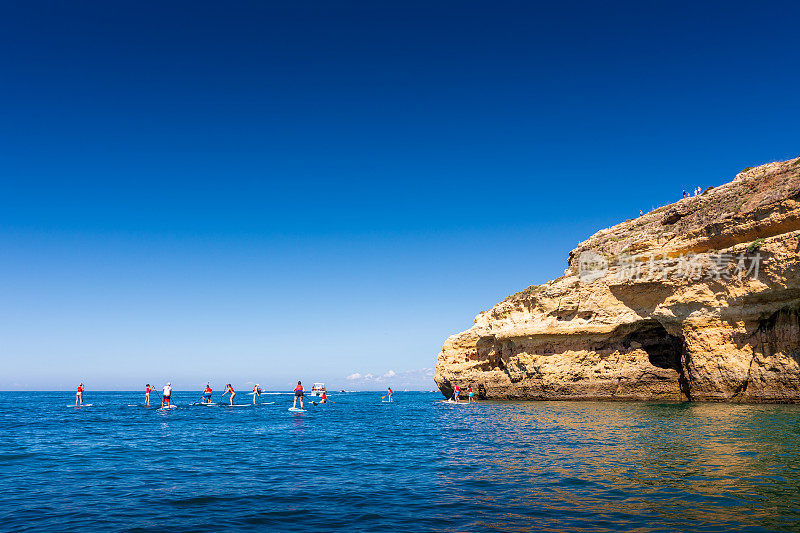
[317, 390]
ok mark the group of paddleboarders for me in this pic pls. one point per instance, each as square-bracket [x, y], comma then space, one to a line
[166, 396]
[457, 393]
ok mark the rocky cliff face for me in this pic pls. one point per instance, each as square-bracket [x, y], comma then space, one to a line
[698, 300]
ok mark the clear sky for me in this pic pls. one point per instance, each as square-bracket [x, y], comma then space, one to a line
[272, 191]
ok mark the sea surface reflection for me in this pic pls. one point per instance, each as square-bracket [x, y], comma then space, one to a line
[415, 465]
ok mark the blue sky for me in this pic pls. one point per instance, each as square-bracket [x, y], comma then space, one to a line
[263, 191]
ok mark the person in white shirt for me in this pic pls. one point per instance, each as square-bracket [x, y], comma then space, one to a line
[165, 398]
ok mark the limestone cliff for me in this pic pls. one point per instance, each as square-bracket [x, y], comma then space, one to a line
[698, 300]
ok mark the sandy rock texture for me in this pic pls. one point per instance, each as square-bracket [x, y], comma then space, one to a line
[698, 300]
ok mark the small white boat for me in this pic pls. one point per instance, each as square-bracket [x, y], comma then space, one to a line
[317, 390]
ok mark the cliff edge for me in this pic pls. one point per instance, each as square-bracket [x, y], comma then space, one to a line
[698, 300]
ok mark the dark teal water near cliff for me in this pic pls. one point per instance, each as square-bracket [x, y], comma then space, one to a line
[414, 465]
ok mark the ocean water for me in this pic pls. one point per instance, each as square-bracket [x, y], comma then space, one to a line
[414, 465]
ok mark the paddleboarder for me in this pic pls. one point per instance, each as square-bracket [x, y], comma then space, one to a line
[147, 390]
[256, 393]
[207, 394]
[229, 390]
[166, 396]
[79, 395]
[298, 393]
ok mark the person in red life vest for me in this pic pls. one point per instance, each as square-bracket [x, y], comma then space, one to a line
[79, 395]
[256, 393]
[391, 393]
[147, 390]
[298, 393]
[206, 394]
[166, 395]
[469, 394]
[456, 393]
[229, 390]
[323, 399]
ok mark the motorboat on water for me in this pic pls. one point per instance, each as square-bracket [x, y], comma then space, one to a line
[317, 390]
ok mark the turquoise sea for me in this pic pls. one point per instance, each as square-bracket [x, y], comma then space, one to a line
[414, 465]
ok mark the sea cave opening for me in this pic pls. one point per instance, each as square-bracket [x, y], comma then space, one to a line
[663, 350]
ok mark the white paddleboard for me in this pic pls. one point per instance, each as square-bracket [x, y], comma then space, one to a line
[84, 405]
[167, 407]
[297, 410]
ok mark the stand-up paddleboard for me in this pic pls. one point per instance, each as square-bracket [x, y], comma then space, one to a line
[297, 410]
[84, 405]
[167, 407]
[386, 401]
[451, 402]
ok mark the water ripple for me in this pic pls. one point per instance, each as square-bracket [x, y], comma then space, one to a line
[420, 465]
